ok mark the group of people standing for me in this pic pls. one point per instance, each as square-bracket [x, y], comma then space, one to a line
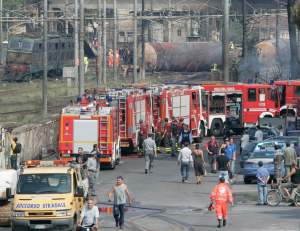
[222, 157]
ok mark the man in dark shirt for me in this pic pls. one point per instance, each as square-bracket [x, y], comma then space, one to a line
[222, 165]
[212, 148]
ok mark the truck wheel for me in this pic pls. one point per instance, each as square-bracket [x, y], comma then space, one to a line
[217, 127]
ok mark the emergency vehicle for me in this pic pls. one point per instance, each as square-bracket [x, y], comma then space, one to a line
[237, 102]
[134, 107]
[289, 96]
[82, 127]
[49, 195]
[183, 103]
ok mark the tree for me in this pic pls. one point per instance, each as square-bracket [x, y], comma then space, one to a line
[291, 6]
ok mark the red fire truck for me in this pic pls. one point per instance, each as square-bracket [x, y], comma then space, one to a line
[289, 95]
[82, 127]
[134, 107]
[185, 103]
[237, 105]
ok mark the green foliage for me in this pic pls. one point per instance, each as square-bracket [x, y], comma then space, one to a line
[13, 4]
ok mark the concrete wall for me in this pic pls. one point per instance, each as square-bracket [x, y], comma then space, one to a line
[33, 137]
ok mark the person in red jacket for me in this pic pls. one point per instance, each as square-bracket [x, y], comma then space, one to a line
[221, 196]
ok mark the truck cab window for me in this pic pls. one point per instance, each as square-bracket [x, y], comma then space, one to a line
[252, 95]
[297, 90]
[262, 95]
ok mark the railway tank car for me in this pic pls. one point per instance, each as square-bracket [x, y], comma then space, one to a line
[182, 57]
[24, 59]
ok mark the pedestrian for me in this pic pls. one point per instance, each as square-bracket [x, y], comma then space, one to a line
[174, 136]
[16, 149]
[198, 163]
[95, 151]
[142, 134]
[212, 148]
[89, 216]
[230, 153]
[244, 140]
[232, 146]
[158, 133]
[92, 167]
[185, 159]
[278, 160]
[223, 165]
[185, 136]
[221, 196]
[166, 136]
[121, 196]
[262, 177]
[297, 149]
[259, 135]
[149, 148]
[294, 175]
[289, 156]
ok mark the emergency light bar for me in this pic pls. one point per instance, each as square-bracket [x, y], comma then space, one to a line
[43, 163]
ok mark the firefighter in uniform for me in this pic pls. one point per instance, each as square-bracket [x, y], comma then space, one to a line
[158, 134]
[166, 137]
[174, 136]
[221, 196]
[143, 133]
[185, 135]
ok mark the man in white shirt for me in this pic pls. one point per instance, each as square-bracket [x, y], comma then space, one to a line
[89, 216]
[185, 159]
[245, 140]
[259, 135]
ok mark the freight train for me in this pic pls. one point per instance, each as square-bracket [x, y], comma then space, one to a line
[24, 59]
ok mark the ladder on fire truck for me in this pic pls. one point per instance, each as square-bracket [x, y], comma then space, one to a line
[122, 116]
[104, 130]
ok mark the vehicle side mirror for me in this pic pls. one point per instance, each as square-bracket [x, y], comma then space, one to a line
[79, 192]
[9, 195]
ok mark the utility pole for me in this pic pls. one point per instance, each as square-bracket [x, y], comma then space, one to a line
[1, 33]
[76, 43]
[244, 29]
[104, 57]
[45, 60]
[226, 41]
[142, 69]
[169, 22]
[115, 41]
[207, 25]
[66, 21]
[81, 51]
[277, 28]
[135, 77]
[99, 52]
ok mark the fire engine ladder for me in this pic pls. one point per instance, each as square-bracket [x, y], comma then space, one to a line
[122, 116]
[104, 134]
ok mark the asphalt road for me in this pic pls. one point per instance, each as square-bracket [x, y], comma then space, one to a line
[163, 203]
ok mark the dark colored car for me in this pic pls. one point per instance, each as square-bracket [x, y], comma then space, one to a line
[251, 164]
[267, 131]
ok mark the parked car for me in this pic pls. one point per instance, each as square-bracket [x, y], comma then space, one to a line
[267, 131]
[251, 164]
[268, 144]
[246, 152]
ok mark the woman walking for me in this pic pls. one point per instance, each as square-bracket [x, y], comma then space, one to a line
[198, 163]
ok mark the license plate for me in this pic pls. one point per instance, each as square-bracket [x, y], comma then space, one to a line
[40, 227]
